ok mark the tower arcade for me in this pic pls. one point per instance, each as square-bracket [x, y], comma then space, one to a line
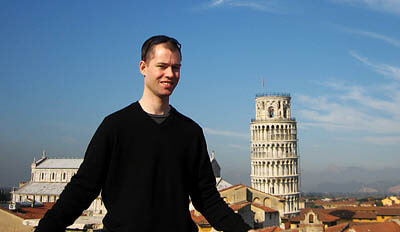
[274, 158]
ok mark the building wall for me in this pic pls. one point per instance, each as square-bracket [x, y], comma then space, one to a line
[381, 218]
[204, 229]
[39, 175]
[12, 223]
[311, 223]
[364, 220]
[242, 193]
[247, 215]
[389, 201]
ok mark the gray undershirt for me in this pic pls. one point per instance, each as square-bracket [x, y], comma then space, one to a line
[159, 118]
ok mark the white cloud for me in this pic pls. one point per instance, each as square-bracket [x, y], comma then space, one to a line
[387, 39]
[215, 3]
[355, 108]
[352, 109]
[384, 69]
[226, 133]
[237, 146]
[373, 111]
[383, 140]
[392, 6]
[260, 5]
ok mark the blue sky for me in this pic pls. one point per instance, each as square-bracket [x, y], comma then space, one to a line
[65, 65]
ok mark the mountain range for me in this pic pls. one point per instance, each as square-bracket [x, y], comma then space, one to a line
[351, 179]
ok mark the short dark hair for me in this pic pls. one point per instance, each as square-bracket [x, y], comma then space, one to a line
[169, 42]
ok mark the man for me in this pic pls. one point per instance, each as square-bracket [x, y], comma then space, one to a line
[147, 159]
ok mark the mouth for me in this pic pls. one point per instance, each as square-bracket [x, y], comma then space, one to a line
[167, 84]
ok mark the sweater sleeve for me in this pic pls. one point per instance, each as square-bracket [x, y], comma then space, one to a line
[84, 186]
[206, 198]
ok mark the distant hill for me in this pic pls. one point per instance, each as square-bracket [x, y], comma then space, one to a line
[351, 180]
[394, 189]
[367, 190]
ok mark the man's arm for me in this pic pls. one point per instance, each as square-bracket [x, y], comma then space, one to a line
[206, 198]
[84, 187]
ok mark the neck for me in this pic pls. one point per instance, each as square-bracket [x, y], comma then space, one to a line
[154, 104]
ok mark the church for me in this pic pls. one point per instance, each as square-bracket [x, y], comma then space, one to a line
[49, 176]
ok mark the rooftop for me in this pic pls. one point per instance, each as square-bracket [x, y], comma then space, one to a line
[42, 188]
[273, 94]
[60, 163]
[31, 213]
[322, 215]
[365, 227]
[266, 209]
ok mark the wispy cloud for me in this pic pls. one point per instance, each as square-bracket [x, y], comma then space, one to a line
[383, 140]
[237, 146]
[372, 110]
[216, 3]
[384, 69]
[340, 114]
[392, 6]
[260, 5]
[387, 39]
[226, 133]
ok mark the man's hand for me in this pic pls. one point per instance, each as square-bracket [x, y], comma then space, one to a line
[251, 231]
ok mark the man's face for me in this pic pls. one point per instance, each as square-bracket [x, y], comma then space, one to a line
[161, 71]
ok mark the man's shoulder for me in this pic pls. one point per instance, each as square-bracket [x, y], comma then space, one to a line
[186, 120]
[123, 114]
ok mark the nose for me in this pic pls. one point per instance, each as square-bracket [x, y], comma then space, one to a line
[169, 72]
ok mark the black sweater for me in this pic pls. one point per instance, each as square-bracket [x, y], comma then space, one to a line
[146, 173]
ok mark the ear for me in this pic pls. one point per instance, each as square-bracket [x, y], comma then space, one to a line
[142, 67]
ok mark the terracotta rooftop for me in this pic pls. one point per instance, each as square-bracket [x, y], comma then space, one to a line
[364, 215]
[32, 213]
[337, 228]
[388, 211]
[270, 229]
[368, 203]
[322, 215]
[198, 219]
[382, 226]
[351, 202]
[365, 227]
[238, 206]
[266, 209]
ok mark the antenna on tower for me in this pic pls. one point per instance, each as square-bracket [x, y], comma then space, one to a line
[263, 84]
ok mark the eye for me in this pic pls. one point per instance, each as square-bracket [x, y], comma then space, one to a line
[176, 67]
[163, 66]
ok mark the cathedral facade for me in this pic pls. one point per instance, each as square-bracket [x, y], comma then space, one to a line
[49, 176]
[274, 158]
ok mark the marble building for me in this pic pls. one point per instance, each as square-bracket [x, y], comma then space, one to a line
[49, 176]
[274, 158]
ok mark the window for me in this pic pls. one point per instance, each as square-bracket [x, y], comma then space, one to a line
[271, 112]
[64, 176]
[311, 218]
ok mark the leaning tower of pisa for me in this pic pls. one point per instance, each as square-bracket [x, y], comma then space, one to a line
[274, 158]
